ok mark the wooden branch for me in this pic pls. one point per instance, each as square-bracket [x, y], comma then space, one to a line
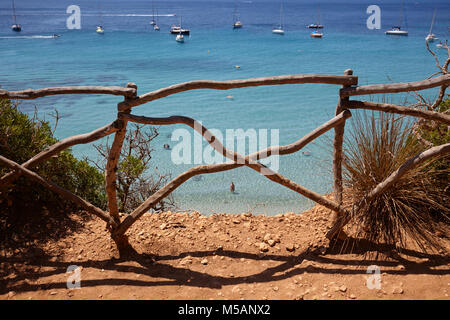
[113, 160]
[37, 93]
[239, 161]
[57, 148]
[61, 191]
[392, 108]
[389, 182]
[233, 84]
[443, 80]
[439, 99]
[338, 141]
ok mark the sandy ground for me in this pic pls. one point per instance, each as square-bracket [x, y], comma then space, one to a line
[189, 256]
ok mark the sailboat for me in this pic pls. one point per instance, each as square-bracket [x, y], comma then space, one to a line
[100, 29]
[397, 30]
[180, 37]
[155, 26]
[431, 37]
[316, 25]
[153, 23]
[237, 24]
[15, 27]
[280, 29]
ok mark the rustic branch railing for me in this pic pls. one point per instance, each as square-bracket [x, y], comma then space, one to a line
[118, 227]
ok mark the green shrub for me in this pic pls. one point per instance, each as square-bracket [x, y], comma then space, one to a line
[22, 137]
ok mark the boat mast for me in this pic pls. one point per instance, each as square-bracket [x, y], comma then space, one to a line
[281, 15]
[100, 13]
[318, 16]
[14, 12]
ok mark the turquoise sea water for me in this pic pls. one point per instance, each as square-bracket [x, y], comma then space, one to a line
[131, 51]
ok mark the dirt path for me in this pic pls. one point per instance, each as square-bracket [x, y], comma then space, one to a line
[189, 256]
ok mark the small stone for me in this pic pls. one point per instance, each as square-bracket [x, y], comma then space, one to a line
[236, 221]
[290, 247]
[343, 288]
[271, 242]
[204, 261]
[11, 294]
[397, 290]
[53, 293]
[401, 267]
[163, 226]
[275, 288]
[263, 247]
[267, 237]
[352, 296]
[100, 296]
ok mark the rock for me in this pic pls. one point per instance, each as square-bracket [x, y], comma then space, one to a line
[263, 247]
[290, 247]
[204, 261]
[163, 226]
[343, 288]
[267, 237]
[397, 290]
[401, 267]
[53, 293]
[352, 296]
[11, 294]
[271, 242]
[236, 221]
[275, 288]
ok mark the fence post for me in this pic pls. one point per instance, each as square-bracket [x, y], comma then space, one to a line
[337, 151]
[113, 159]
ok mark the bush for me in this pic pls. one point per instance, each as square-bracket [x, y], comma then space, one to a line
[378, 145]
[22, 137]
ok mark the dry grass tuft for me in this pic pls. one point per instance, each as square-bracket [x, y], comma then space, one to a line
[413, 207]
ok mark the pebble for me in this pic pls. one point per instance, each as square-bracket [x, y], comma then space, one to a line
[290, 247]
[352, 296]
[343, 288]
[53, 293]
[397, 290]
[263, 247]
[204, 261]
[11, 294]
[271, 242]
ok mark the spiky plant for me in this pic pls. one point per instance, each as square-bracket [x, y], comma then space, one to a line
[378, 145]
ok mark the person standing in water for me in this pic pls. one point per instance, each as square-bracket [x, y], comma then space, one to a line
[232, 187]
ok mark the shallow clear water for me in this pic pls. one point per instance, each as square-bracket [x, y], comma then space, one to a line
[131, 51]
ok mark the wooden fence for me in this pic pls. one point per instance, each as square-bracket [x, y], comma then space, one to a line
[349, 88]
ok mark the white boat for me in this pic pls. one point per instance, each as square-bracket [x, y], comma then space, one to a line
[397, 30]
[431, 37]
[316, 25]
[155, 26]
[15, 27]
[100, 30]
[442, 45]
[316, 34]
[179, 38]
[279, 30]
[237, 24]
[153, 22]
